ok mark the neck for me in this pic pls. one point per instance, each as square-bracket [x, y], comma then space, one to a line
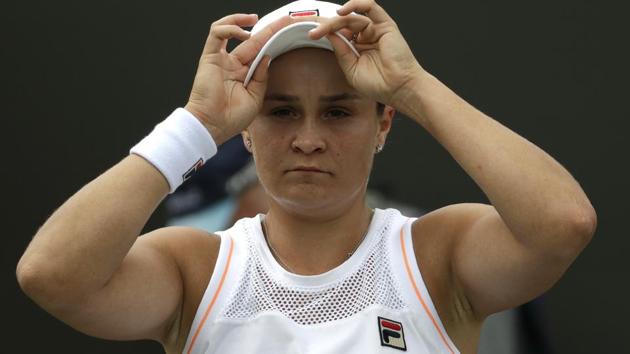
[314, 245]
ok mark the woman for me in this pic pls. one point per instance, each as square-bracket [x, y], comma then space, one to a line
[320, 272]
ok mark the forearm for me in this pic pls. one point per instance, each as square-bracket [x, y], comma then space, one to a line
[536, 197]
[83, 243]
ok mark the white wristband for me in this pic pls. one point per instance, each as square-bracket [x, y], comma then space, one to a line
[177, 147]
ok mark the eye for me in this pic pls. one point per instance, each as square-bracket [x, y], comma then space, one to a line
[284, 113]
[336, 113]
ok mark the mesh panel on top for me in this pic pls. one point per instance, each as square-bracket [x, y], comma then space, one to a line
[371, 283]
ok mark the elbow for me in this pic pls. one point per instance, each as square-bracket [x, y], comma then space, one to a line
[41, 284]
[29, 278]
[32, 279]
[575, 230]
[585, 224]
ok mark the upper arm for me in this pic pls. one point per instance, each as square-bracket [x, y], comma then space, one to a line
[144, 296]
[485, 262]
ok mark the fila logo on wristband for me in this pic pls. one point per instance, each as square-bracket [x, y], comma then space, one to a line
[193, 169]
[391, 333]
[176, 143]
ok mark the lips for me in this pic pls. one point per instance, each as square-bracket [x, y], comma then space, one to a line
[311, 169]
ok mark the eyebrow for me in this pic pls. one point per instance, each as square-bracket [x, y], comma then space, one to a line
[328, 98]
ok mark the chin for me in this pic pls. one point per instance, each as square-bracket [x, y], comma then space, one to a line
[315, 200]
[305, 196]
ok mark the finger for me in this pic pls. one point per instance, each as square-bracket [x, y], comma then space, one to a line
[363, 47]
[258, 84]
[354, 23]
[218, 37]
[346, 33]
[247, 51]
[345, 56]
[368, 7]
[243, 20]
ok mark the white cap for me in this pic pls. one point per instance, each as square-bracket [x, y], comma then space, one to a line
[295, 35]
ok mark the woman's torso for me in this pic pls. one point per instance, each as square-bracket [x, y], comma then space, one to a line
[375, 302]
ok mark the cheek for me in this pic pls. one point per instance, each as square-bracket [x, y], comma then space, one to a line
[266, 152]
[268, 145]
[355, 149]
[263, 135]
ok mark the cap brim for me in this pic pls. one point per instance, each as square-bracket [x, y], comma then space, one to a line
[291, 37]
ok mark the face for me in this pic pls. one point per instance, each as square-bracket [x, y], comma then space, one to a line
[315, 137]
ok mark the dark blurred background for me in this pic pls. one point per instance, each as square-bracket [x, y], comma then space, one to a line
[82, 82]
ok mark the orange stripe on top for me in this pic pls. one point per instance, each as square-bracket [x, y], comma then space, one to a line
[415, 288]
[214, 298]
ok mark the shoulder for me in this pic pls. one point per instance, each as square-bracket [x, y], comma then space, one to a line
[455, 216]
[186, 245]
[439, 230]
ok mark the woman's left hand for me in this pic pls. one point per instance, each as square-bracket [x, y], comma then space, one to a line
[386, 67]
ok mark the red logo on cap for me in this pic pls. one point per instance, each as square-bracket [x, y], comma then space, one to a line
[304, 13]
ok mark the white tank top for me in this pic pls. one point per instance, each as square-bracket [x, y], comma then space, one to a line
[374, 302]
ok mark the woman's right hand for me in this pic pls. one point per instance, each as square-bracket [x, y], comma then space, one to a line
[218, 97]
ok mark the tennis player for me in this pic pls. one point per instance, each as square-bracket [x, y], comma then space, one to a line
[312, 89]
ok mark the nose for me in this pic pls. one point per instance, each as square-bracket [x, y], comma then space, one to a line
[309, 138]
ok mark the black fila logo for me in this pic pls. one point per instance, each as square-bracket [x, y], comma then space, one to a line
[391, 333]
[193, 169]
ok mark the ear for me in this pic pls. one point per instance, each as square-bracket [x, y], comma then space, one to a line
[385, 124]
[247, 141]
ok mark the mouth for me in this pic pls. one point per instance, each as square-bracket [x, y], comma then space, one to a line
[307, 169]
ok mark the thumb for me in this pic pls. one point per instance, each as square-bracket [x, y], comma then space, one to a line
[346, 55]
[258, 84]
